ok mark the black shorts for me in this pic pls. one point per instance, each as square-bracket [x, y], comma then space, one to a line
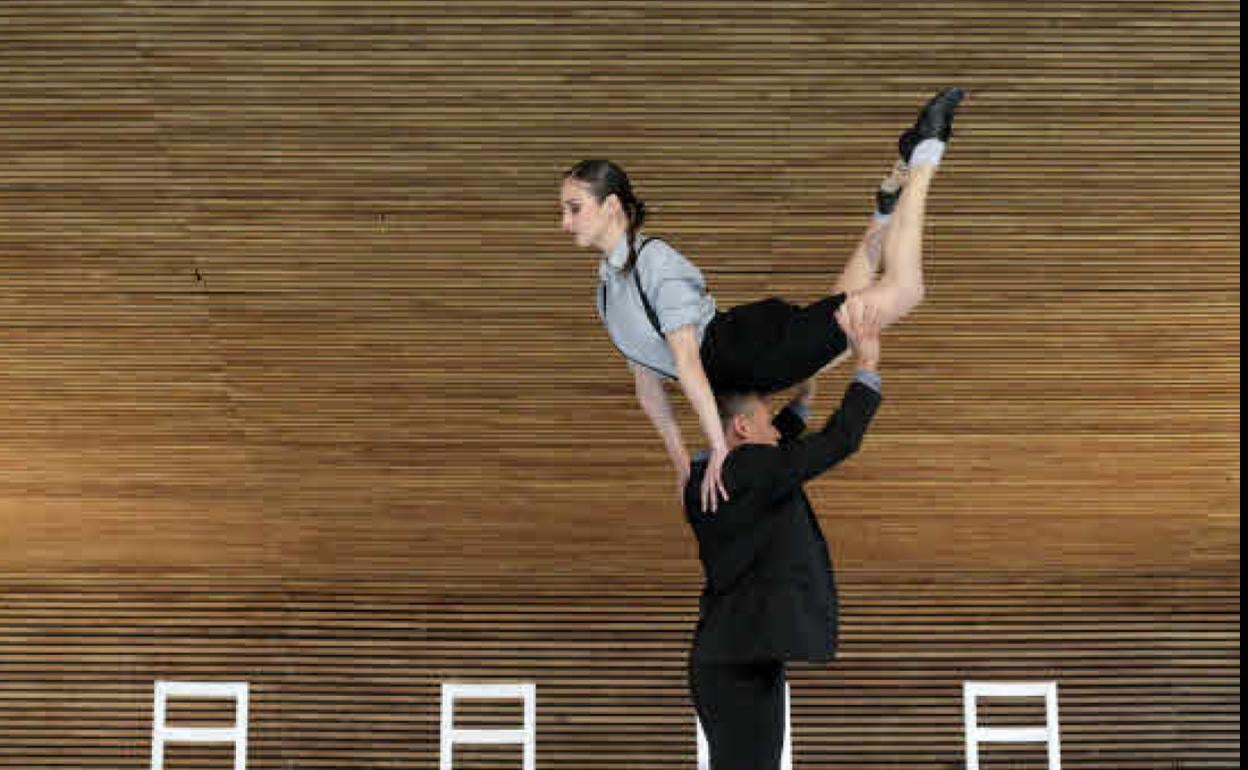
[771, 345]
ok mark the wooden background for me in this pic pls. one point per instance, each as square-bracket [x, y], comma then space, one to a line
[301, 383]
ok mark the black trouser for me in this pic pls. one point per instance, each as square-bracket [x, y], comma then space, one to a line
[741, 707]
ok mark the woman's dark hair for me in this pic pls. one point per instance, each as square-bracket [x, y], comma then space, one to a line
[605, 179]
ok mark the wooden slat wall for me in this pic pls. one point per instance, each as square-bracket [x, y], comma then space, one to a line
[345, 673]
[283, 293]
[285, 280]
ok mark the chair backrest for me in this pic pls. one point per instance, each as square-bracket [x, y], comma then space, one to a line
[975, 735]
[163, 733]
[526, 736]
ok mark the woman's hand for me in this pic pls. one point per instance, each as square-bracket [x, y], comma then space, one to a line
[861, 322]
[713, 489]
[684, 344]
[682, 478]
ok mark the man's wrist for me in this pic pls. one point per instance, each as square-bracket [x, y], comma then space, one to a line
[801, 408]
[870, 378]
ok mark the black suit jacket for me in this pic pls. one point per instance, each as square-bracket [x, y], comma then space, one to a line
[770, 592]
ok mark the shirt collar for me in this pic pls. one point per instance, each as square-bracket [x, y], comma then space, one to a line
[619, 255]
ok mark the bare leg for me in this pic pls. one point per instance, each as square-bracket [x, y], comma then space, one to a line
[860, 271]
[900, 288]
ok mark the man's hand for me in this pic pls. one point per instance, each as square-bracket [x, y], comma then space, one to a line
[861, 323]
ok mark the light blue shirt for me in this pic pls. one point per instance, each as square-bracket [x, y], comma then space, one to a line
[676, 290]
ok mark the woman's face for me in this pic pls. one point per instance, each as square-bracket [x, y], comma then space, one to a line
[584, 218]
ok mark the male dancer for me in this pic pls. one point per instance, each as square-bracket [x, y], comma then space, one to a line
[770, 596]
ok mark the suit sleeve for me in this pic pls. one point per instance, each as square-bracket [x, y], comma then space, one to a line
[759, 476]
[749, 474]
[796, 462]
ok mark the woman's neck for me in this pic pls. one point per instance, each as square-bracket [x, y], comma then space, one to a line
[611, 236]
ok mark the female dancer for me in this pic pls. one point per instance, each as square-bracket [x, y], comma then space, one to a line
[657, 311]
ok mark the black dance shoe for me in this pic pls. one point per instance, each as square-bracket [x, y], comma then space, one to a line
[935, 121]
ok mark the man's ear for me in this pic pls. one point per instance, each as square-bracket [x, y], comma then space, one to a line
[741, 426]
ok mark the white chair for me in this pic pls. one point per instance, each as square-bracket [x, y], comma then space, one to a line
[237, 735]
[975, 735]
[786, 753]
[526, 736]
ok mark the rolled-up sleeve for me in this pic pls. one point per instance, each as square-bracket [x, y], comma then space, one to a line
[675, 288]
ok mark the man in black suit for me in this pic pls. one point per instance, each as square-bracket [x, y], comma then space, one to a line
[770, 596]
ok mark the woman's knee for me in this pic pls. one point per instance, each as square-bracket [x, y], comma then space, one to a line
[915, 294]
[893, 299]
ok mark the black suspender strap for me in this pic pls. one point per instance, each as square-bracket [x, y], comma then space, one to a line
[645, 301]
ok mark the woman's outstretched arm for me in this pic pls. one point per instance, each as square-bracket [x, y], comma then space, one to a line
[685, 348]
[654, 402]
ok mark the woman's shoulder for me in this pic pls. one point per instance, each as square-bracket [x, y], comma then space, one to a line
[656, 251]
[650, 241]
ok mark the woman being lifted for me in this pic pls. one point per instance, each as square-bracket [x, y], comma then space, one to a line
[658, 313]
